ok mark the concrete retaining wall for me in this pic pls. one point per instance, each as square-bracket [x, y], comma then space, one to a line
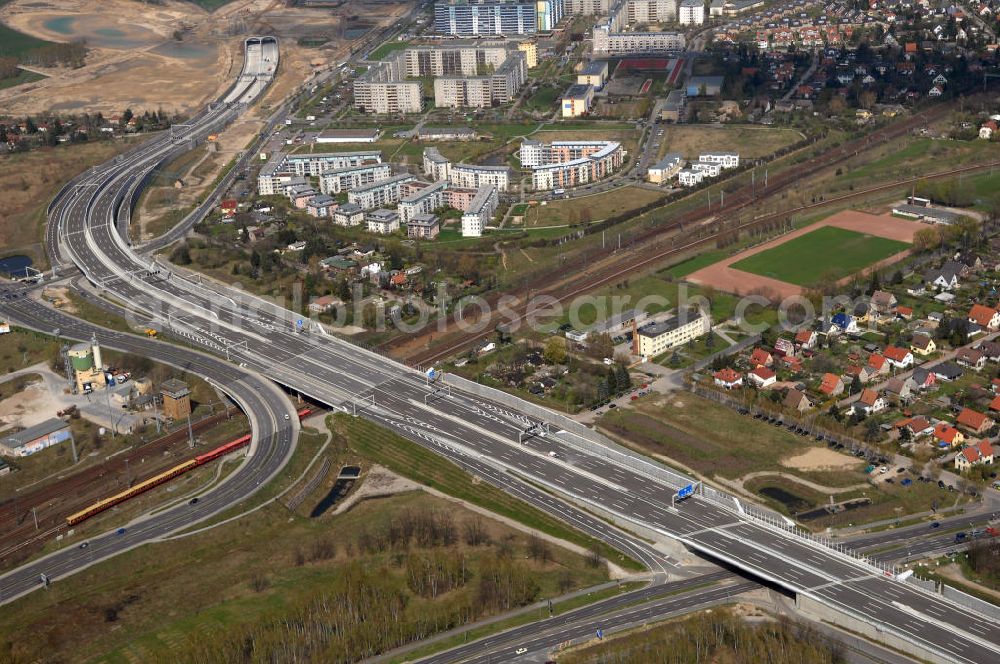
[970, 602]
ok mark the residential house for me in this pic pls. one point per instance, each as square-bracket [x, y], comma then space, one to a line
[947, 435]
[883, 303]
[728, 378]
[905, 313]
[863, 374]
[797, 401]
[973, 455]
[324, 303]
[899, 389]
[899, 358]
[806, 339]
[869, 402]
[990, 350]
[944, 278]
[761, 358]
[947, 371]
[791, 363]
[762, 377]
[923, 345]
[970, 358]
[878, 364]
[845, 323]
[917, 426]
[974, 421]
[831, 385]
[922, 379]
[985, 317]
[987, 130]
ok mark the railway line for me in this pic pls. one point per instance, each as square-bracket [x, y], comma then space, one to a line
[650, 241]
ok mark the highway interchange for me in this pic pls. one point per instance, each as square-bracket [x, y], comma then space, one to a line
[479, 434]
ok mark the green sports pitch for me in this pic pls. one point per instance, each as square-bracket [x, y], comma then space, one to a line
[827, 253]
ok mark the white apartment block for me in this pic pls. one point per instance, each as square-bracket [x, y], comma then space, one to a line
[608, 43]
[690, 177]
[657, 338]
[422, 201]
[499, 87]
[316, 163]
[383, 89]
[480, 211]
[725, 159]
[352, 177]
[379, 194]
[436, 165]
[691, 12]
[651, 11]
[472, 176]
[382, 222]
[563, 164]
[454, 58]
[709, 169]
[348, 214]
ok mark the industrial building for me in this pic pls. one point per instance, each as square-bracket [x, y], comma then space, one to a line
[496, 17]
[446, 134]
[348, 136]
[86, 366]
[577, 100]
[563, 164]
[704, 86]
[657, 338]
[35, 439]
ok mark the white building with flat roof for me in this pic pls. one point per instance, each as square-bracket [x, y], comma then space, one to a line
[691, 12]
[379, 194]
[725, 159]
[690, 177]
[473, 176]
[484, 205]
[352, 177]
[436, 165]
[382, 222]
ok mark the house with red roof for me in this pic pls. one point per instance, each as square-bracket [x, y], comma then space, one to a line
[900, 358]
[973, 455]
[831, 385]
[917, 426]
[974, 421]
[761, 358]
[987, 318]
[879, 364]
[869, 402]
[806, 339]
[762, 377]
[728, 378]
[906, 313]
[946, 434]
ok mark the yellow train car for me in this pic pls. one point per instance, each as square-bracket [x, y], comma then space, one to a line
[131, 492]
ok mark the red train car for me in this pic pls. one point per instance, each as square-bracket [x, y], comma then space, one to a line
[223, 449]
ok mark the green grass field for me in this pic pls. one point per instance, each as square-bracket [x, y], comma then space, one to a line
[827, 253]
[387, 48]
[15, 43]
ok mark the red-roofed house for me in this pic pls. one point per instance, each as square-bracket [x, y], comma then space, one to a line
[995, 404]
[762, 377]
[974, 421]
[987, 318]
[878, 363]
[980, 453]
[898, 357]
[831, 385]
[761, 358]
[948, 434]
[728, 378]
[906, 313]
[806, 339]
[791, 362]
[917, 426]
[228, 207]
[870, 402]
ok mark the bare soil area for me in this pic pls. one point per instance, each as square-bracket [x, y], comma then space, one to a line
[726, 278]
[820, 458]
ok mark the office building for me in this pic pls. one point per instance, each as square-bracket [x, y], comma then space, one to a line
[657, 338]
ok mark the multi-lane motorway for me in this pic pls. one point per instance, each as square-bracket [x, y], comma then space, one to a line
[478, 432]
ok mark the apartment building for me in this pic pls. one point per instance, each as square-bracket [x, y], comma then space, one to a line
[499, 87]
[650, 11]
[657, 338]
[384, 89]
[496, 17]
[352, 177]
[316, 163]
[481, 210]
[423, 227]
[473, 176]
[690, 177]
[562, 164]
[423, 198]
[379, 194]
[666, 168]
[321, 206]
[586, 7]
[691, 12]
[724, 159]
[530, 49]
[436, 165]
[382, 221]
[348, 214]
[610, 43]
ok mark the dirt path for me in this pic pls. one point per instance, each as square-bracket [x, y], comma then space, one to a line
[726, 278]
[828, 490]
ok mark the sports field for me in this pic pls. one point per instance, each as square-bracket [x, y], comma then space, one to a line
[827, 253]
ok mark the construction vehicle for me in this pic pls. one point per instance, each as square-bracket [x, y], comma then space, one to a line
[150, 332]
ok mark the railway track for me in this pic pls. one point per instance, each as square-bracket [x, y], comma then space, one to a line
[657, 253]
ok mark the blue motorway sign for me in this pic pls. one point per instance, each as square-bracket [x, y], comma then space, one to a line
[600, 633]
[686, 491]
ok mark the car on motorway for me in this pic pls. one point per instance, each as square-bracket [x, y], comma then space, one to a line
[554, 455]
[935, 524]
[960, 537]
[286, 416]
[520, 651]
[120, 531]
[193, 501]
[83, 545]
